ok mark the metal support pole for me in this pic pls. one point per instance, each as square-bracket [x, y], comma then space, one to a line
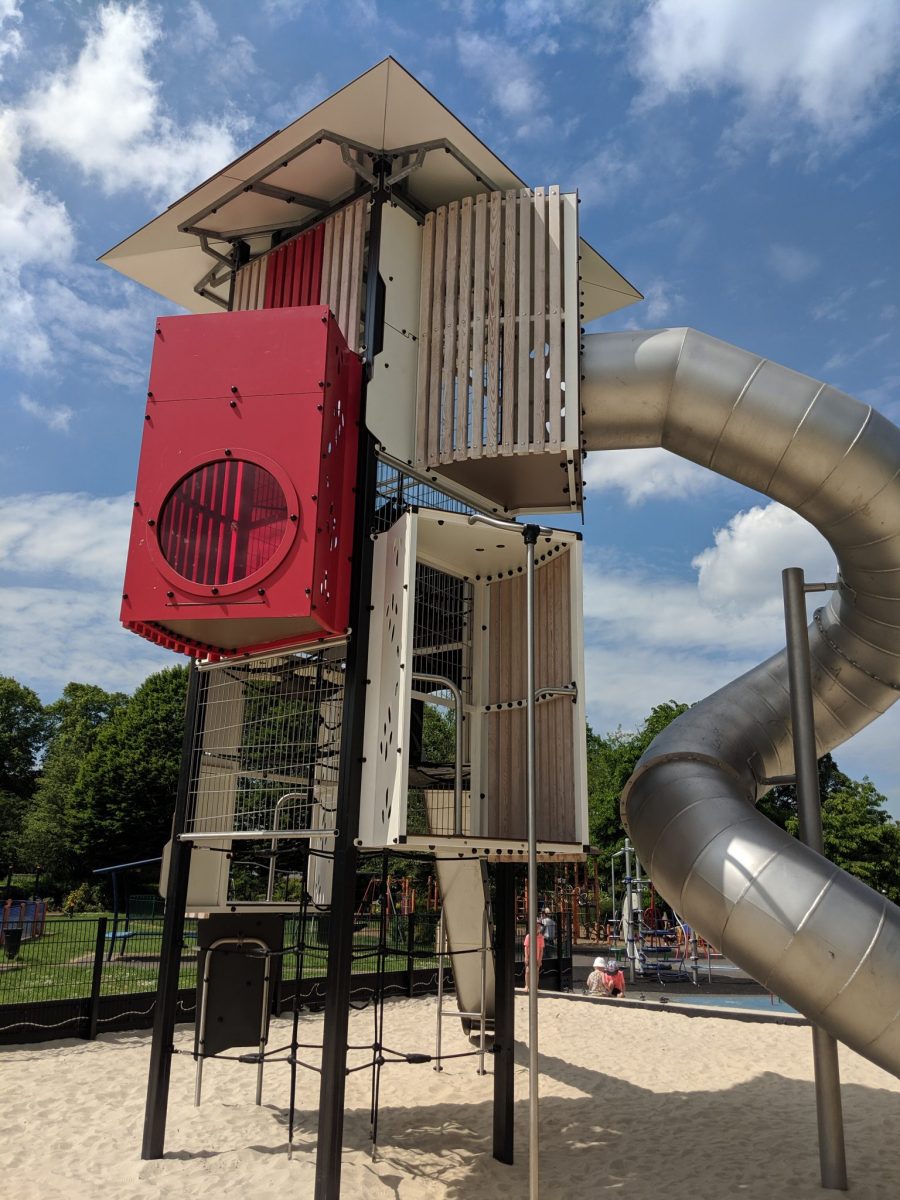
[173, 934]
[343, 904]
[530, 536]
[96, 979]
[504, 1010]
[441, 947]
[627, 914]
[832, 1160]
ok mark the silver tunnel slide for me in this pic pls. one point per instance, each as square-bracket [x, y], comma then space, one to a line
[803, 928]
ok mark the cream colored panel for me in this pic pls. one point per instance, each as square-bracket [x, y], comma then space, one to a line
[382, 816]
[391, 394]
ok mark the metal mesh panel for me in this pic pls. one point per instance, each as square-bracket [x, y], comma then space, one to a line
[398, 492]
[267, 745]
[442, 649]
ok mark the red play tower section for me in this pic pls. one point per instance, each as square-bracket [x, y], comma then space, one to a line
[242, 533]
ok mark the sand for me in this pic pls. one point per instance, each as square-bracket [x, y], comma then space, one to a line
[643, 1103]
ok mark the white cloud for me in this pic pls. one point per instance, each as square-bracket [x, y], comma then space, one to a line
[68, 535]
[644, 474]
[512, 81]
[652, 637]
[10, 37]
[104, 113]
[743, 568]
[69, 552]
[57, 418]
[603, 176]
[825, 63]
[791, 263]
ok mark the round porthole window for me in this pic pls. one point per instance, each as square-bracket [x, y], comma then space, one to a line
[223, 522]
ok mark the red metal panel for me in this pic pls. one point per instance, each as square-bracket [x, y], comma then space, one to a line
[295, 271]
[242, 535]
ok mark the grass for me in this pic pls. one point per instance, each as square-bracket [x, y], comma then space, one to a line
[60, 964]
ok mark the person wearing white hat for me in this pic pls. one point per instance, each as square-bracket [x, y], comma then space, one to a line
[595, 979]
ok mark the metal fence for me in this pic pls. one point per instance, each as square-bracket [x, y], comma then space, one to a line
[80, 976]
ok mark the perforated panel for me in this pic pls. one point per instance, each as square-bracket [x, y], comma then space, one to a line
[383, 802]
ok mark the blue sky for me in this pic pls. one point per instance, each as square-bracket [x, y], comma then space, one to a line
[737, 161]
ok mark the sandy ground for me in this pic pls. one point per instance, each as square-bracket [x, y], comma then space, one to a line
[644, 1103]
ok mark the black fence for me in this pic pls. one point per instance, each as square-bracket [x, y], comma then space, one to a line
[83, 975]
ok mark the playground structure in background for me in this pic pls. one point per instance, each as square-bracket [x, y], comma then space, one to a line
[440, 303]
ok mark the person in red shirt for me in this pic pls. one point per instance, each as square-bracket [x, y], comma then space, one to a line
[612, 981]
[539, 952]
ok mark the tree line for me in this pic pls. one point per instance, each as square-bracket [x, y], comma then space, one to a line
[89, 781]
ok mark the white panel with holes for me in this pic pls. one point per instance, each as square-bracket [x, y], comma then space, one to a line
[382, 818]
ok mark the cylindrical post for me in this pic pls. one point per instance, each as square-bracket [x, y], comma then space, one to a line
[410, 954]
[440, 992]
[173, 934]
[504, 1010]
[832, 1160]
[96, 979]
[627, 914]
[530, 535]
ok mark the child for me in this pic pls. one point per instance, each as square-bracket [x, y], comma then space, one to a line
[612, 979]
[595, 979]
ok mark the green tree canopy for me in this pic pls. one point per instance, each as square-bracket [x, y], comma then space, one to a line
[23, 726]
[74, 722]
[124, 792]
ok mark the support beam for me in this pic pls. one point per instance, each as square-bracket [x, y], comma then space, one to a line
[504, 1010]
[161, 1047]
[343, 903]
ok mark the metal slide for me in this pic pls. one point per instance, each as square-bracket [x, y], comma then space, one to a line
[803, 928]
[463, 884]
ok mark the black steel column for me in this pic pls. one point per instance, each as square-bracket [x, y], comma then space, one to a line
[173, 935]
[504, 1009]
[343, 886]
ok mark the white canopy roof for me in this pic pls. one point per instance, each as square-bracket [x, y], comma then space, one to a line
[315, 163]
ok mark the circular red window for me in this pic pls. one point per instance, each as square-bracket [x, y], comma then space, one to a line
[223, 522]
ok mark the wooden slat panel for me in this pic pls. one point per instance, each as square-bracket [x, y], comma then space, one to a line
[508, 390]
[479, 299]
[314, 277]
[437, 337]
[448, 348]
[523, 322]
[539, 363]
[424, 358]
[554, 317]
[464, 331]
[274, 277]
[495, 280]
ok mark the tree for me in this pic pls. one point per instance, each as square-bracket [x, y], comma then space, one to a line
[74, 723]
[860, 836]
[23, 727]
[124, 791]
[610, 762]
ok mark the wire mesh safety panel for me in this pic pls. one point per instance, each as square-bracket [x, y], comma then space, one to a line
[442, 651]
[267, 745]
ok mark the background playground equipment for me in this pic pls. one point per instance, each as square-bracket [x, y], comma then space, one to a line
[458, 287]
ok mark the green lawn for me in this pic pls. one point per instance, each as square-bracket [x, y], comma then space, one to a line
[60, 964]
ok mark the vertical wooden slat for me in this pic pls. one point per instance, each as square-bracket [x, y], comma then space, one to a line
[314, 284]
[539, 332]
[238, 300]
[273, 277]
[510, 324]
[356, 273]
[337, 246]
[437, 337]
[554, 317]
[523, 321]
[346, 260]
[325, 280]
[464, 331]
[424, 360]
[448, 351]
[495, 278]
[478, 316]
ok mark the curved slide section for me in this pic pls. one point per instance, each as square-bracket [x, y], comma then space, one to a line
[803, 928]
